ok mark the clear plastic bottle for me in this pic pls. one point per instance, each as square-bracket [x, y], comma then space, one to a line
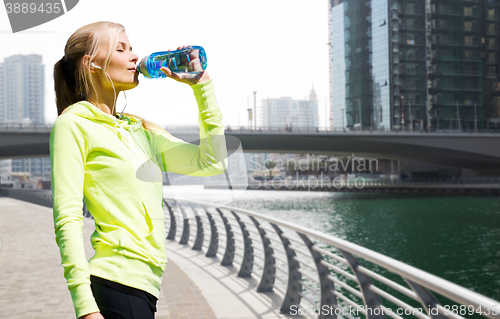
[192, 59]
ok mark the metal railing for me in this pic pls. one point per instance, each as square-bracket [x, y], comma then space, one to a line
[364, 130]
[431, 180]
[321, 275]
[276, 129]
[36, 196]
[39, 126]
[318, 274]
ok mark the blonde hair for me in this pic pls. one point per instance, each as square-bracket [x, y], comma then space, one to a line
[71, 76]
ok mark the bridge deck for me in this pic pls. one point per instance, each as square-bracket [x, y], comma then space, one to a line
[32, 283]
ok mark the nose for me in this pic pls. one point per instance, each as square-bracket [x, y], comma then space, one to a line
[134, 58]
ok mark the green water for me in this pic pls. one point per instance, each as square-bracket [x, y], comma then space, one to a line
[455, 238]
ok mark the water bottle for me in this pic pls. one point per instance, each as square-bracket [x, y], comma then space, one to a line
[192, 59]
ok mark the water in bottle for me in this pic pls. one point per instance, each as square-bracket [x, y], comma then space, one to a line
[192, 59]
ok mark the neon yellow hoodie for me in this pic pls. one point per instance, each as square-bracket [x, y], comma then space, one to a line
[114, 165]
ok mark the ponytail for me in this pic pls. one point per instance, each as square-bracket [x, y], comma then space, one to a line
[65, 84]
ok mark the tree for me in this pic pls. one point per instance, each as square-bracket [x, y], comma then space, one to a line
[270, 165]
[290, 167]
[344, 163]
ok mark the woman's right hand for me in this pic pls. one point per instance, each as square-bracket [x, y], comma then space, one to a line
[187, 78]
[94, 315]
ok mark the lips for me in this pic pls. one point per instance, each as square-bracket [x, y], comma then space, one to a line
[132, 69]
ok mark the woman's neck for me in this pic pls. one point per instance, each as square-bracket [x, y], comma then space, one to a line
[104, 101]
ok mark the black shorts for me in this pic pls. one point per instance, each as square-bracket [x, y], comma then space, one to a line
[116, 301]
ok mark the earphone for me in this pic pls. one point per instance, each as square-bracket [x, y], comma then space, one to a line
[92, 64]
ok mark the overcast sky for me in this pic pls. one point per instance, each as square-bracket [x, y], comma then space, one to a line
[275, 47]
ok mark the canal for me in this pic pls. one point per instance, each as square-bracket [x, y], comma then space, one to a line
[454, 237]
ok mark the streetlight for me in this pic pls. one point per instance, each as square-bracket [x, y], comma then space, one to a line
[255, 108]
[249, 118]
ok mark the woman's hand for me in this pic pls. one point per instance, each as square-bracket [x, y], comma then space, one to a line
[189, 78]
[94, 315]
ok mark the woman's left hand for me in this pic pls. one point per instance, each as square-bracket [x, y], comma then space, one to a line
[187, 77]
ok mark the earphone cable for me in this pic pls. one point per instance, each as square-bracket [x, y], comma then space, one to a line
[125, 104]
[114, 91]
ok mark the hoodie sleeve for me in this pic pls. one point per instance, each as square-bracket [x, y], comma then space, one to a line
[68, 154]
[210, 156]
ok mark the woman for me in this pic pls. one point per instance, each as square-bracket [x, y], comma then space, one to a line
[114, 165]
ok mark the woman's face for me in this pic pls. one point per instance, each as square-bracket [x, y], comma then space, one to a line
[121, 66]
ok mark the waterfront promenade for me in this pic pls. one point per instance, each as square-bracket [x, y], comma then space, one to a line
[32, 284]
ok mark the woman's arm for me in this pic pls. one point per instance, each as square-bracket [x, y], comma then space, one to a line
[68, 158]
[207, 159]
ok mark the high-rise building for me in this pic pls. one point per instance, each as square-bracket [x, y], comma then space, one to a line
[22, 84]
[22, 89]
[415, 64]
[277, 113]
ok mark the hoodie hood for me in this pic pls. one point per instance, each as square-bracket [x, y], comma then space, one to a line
[89, 111]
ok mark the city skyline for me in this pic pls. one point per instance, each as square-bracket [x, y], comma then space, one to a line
[255, 36]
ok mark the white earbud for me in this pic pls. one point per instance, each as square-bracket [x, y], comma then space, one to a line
[95, 66]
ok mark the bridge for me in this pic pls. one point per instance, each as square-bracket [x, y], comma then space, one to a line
[476, 151]
[246, 265]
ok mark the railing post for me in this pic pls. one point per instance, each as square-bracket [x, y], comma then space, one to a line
[198, 241]
[173, 223]
[214, 237]
[326, 285]
[269, 272]
[247, 262]
[228, 258]
[371, 299]
[292, 296]
[185, 227]
[427, 299]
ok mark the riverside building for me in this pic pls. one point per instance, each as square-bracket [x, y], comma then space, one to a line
[277, 113]
[415, 64]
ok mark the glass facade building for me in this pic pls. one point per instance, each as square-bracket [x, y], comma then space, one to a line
[416, 64]
[337, 63]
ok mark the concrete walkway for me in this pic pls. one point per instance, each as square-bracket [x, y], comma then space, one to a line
[32, 283]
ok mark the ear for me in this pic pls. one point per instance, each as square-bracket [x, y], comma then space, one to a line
[86, 64]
